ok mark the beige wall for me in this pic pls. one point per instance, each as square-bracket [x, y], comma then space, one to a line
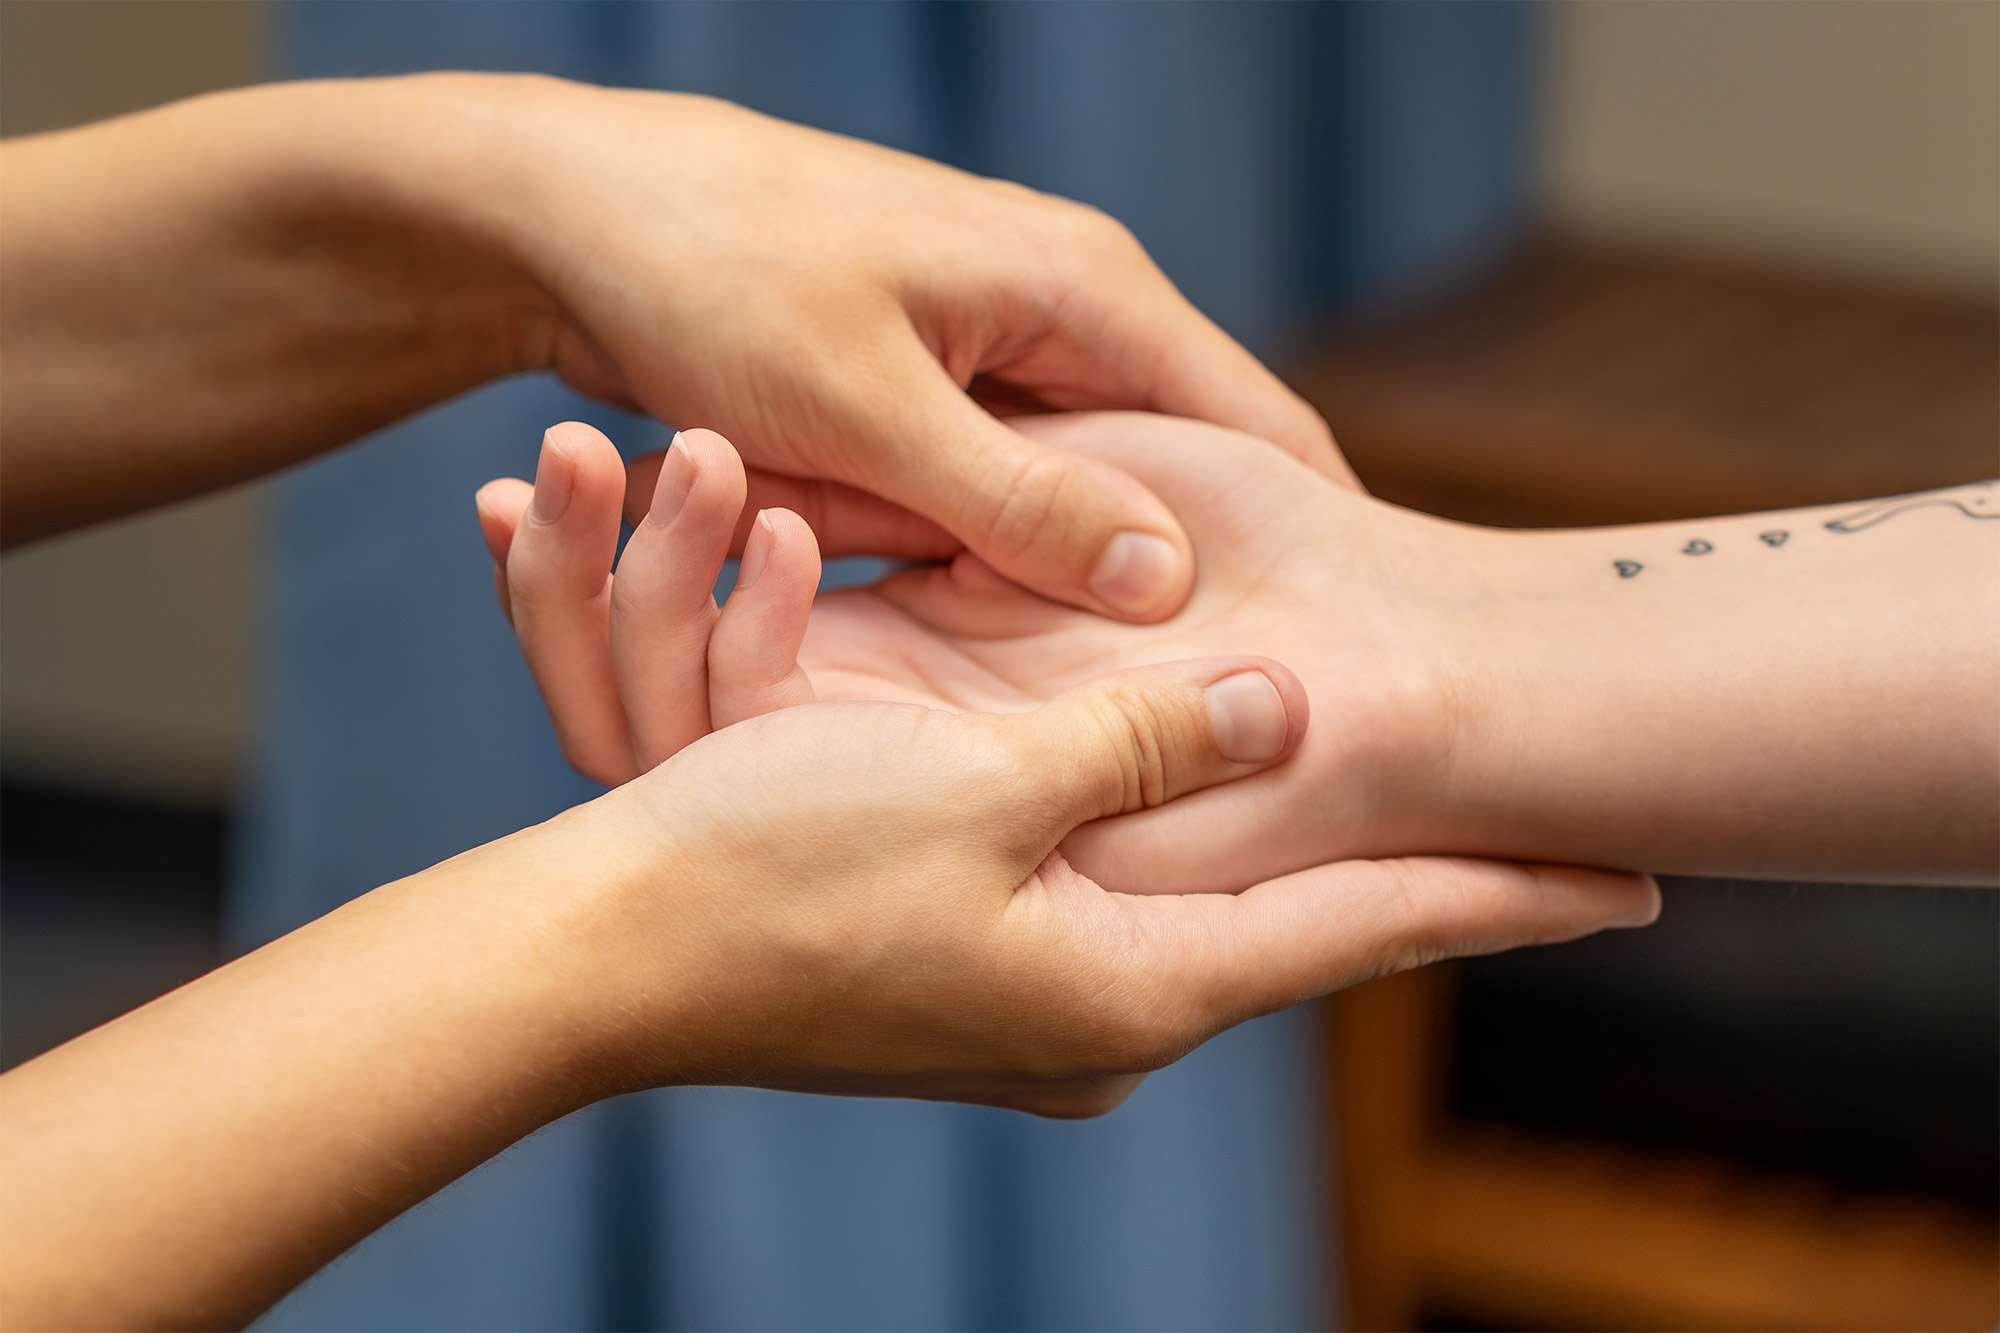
[125, 652]
[1846, 134]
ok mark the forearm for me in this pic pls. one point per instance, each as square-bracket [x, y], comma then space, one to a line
[187, 1164]
[1812, 693]
[216, 289]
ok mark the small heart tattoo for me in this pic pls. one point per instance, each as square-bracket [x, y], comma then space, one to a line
[1773, 538]
[1626, 568]
[1697, 547]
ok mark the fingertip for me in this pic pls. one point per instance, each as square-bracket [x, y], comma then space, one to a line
[1651, 901]
[577, 440]
[1143, 576]
[1246, 716]
[576, 459]
[756, 551]
[499, 505]
[1258, 708]
[709, 449]
[780, 536]
[791, 533]
[1613, 899]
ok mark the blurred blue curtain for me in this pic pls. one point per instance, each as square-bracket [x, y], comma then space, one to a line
[1278, 160]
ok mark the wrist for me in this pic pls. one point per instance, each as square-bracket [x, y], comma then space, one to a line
[522, 169]
[1404, 688]
[617, 969]
[1534, 667]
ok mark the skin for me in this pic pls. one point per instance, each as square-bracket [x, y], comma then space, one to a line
[859, 898]
[301, 268]
[1821, 707]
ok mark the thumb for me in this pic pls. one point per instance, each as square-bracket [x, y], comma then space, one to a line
[1141, 738]
[1069, 527]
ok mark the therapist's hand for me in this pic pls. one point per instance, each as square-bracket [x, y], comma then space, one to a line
[846, 313]
[869, 897]
[220, 288]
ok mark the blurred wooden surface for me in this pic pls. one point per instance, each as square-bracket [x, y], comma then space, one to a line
[1580, 386]
[1587, 1237]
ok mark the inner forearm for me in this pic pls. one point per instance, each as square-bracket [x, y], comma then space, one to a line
[190, 1162]
[1811, 693]
[210, 291]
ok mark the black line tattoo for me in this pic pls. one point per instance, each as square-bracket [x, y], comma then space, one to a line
[1972, 506]
[1980, 500]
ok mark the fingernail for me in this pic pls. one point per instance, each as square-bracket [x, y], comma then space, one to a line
[555, 477]
[670, 492]
[1136, 572]
[1645, 916]
[756, 549]
[1247, 716]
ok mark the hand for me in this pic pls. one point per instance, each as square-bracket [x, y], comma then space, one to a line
[1519, 695]
[1370, 601]
[847, 314]
[870, 897]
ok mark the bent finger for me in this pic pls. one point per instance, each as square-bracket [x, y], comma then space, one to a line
[663, 607]
[753, 664]
[559, 590]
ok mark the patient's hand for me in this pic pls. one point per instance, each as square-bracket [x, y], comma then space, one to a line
[1291, 566]
[1771, 694]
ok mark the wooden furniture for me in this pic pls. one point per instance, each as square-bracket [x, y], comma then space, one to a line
[1575, 386]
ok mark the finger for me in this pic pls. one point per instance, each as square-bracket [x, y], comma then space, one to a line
[500, 504]
[663, 604]
[1310, 933]
[559, 588]
[753, 657]
[1141, 738]
[844, 520]
[1068, 527]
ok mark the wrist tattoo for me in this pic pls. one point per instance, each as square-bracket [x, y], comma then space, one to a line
[1977, 501]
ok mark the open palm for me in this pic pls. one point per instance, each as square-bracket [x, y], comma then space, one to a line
[1290, 567]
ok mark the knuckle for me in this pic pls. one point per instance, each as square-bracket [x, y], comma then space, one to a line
[1027, 513]
[1143, 734]
[1078, 240]
[1098, 228]
[1414, 937]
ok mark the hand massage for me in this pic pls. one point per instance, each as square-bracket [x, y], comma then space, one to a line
[1158, 722]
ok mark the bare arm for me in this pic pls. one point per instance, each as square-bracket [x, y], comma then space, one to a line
[841, 897]
[1811, 693]
[219, 288]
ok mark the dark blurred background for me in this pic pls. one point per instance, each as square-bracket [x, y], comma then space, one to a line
[1667, 260]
